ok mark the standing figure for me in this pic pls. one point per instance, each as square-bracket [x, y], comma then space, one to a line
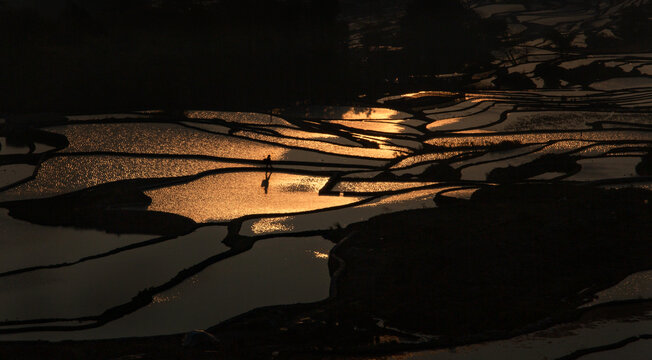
[268, 162]
[268, 173]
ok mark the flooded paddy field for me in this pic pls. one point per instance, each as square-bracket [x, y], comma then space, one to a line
[497, 221]
[236, 232]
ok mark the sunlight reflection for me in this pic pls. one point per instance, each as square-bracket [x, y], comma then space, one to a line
[378, 186]
[158, 138]
[384, 143]
[239, 117]
[440, 123]
[229, 196]
[320, 255]
[267, 225]
[66, 174]
[393, 127]
[371, 113]
[416, 95]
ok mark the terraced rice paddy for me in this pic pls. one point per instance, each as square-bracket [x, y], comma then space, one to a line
[253, 225]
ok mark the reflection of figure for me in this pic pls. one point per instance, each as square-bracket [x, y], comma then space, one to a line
[265, 183]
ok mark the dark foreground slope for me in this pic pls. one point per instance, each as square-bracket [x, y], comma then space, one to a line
[511, 260]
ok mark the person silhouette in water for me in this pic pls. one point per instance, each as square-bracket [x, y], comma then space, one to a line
[268, 173]
[268, 162]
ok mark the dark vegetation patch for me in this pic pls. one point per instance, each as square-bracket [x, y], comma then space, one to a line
[561, 41]
[546, 163]
[583, 75]
[634, 24]
[596, 71]
[631, 27]
[644, 168]
[20, 136]
[440, 172]
[504, 145]
[439, 36]
[434, 172]
[24, 130]
[389, 176]
[513, 81]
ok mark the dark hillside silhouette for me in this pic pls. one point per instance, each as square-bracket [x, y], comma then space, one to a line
[93, 56]
[433, 28]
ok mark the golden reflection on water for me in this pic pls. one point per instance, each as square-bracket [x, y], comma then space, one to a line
[490, 139]
[228, 196]
[377, 186]
[66, 174]
[267, 225]
[416, 95]
[239, 117]
[320, 255]
[384, 144]
[381, 153]
[310, 135]
[415, 159]
[390, 127]
[444, 122]
[345, 216]
[163, 139]
[371, 113]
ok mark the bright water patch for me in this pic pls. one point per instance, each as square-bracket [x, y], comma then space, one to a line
[486, 139]
[334, 149]
[342, 217]
[385, 126]
[61, 175]
[349, 113]
[239, 117]
[313, 135]
[483, 118]
[225, 197]
[377, 186]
